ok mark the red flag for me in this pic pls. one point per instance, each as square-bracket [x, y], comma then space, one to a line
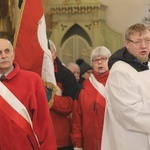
[30, 41]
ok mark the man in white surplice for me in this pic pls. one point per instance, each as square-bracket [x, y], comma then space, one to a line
[127, 115]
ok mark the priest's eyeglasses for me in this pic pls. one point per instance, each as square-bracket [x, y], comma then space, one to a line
[139, 42]
[102, 59]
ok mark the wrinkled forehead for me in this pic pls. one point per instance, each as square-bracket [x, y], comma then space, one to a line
[100, 56]
[74, 67]
[5, 44]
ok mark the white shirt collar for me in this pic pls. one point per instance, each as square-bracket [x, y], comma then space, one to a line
[7, 71]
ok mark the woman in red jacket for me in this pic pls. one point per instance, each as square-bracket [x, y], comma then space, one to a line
[88, 110]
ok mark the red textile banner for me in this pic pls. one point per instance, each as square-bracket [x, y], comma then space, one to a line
[31, 43]
[29, 54]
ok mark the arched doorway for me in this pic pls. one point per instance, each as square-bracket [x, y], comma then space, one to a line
[79, 27]
[75, 44]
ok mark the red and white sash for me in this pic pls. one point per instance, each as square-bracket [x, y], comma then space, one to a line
[17, 112]
[97, 85]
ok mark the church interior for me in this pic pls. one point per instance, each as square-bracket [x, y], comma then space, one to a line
[78, 26]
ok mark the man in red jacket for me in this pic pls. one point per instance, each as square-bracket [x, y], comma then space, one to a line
[25, 121]
[88, 109]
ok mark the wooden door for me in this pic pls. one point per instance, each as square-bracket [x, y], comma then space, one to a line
[73, 48]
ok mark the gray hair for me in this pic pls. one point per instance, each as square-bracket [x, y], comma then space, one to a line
[100, 51]
[70, 64]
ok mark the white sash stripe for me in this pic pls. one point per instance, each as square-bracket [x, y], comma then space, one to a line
[16, 104]
[98, 86]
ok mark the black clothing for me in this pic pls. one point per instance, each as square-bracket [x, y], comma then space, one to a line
[66, 78]
[2, 78]
[125, 56]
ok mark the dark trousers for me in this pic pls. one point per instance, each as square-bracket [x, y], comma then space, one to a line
[66, 148]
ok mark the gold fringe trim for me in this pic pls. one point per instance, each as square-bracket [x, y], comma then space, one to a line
[54, 89]
[18, 23]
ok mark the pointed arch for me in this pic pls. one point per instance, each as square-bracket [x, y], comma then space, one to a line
[76, 30]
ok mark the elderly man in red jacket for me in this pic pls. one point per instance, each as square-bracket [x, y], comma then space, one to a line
[25, 121]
